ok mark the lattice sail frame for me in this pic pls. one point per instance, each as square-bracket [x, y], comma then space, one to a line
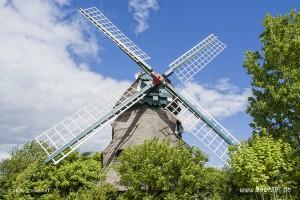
[190, 63]
[185, 67]
[199, 128]
[63, 132]
[105, 25]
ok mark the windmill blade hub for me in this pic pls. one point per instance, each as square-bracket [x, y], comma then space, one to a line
[158, 79]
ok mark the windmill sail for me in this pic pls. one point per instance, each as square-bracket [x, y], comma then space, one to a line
[202, 125]
[190, 63]
[120, 39]
[65, 137]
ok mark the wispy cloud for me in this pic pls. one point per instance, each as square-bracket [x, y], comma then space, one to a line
[41, 80]
[141, 11]
[221, 99]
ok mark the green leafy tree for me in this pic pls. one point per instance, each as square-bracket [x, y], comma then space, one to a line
[26, 176]
[275, 72]
[99, 192]
[20, 159]
[158, 170]
[263, 163]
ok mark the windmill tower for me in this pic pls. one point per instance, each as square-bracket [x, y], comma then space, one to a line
[145, 120]
[152, 106]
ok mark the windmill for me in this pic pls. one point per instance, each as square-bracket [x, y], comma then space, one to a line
[150, 91]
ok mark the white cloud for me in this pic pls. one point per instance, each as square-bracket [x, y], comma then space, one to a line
[221, 99]
[40, 82]
[141, 10]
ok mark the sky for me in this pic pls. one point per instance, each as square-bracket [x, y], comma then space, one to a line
[53, 61]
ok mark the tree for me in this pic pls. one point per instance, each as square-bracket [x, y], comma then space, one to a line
[26, 176]
[158, 170]
[263, 163]
[20, 159]
[275, 72]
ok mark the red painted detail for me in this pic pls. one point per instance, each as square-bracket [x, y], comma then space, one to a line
[157, 79]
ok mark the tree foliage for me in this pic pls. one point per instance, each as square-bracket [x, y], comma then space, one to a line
[20, 159]
[154, 170]
[157, 170]
[275, 72]
[26, 176]
[263, 162]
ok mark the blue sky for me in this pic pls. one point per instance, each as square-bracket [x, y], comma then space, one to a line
[174, 27]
